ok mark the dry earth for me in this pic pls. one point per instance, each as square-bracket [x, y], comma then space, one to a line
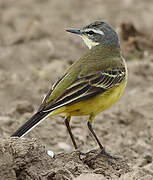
[34, 51]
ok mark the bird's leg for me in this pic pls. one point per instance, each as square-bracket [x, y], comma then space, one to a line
[94, 134]
[67, 123]
[89, 123]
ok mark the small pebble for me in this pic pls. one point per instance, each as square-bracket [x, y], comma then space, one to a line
[50, 153]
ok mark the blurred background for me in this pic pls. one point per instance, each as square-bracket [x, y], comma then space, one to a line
[35, 49]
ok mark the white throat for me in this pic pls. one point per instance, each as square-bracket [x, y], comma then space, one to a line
[89, 42]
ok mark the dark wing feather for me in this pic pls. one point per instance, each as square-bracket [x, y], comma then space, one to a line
[86, 87]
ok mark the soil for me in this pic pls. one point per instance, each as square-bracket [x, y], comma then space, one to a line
[34, 51]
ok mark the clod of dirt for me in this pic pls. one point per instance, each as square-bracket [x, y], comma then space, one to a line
[135, 43]
[129, 30]
[27, 159]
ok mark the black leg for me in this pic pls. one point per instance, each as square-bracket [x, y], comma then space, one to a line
[67, 120]
[95, 136]
[100, 145]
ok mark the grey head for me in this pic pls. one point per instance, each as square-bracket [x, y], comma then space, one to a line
[98, 33]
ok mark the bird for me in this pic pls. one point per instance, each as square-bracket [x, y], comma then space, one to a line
[90, 85]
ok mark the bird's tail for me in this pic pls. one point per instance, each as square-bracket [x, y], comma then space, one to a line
[31, 123]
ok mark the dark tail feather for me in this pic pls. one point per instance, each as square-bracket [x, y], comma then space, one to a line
[31, 123]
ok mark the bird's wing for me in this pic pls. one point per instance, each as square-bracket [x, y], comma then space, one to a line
[87, 86]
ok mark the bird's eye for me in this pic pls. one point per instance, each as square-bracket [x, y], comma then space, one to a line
[90, 32]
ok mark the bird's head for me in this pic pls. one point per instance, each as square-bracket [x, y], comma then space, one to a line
[97, 33]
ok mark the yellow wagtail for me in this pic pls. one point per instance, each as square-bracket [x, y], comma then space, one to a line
[90, 85]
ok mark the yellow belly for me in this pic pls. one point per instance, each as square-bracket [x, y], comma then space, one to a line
[95, 104]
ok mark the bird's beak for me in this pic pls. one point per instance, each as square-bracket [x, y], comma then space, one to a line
[75, 31]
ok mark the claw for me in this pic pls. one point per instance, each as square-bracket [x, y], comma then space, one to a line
[101, 153]
[109, 156]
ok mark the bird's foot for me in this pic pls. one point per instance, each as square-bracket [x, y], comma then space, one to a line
[107, 155]
[86, 157]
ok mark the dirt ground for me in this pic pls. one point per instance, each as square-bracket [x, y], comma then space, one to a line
[34, 51]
